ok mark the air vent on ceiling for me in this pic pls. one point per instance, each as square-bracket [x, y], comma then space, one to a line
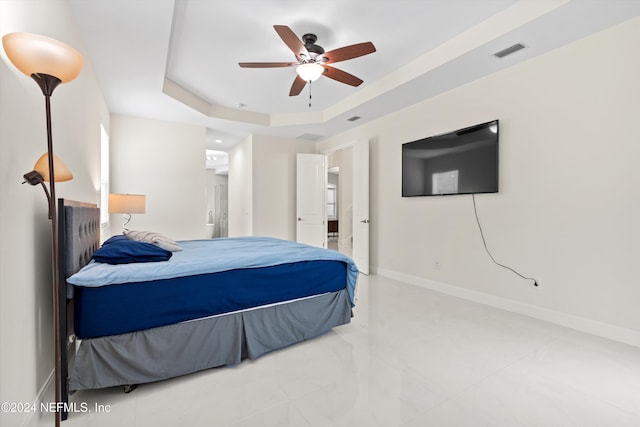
[508, 51]
[353, 118]
[310, 136]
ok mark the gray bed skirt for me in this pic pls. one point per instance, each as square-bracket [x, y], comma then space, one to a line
[174, 350]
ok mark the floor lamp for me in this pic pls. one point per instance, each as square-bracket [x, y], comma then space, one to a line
[49, 62]
[40, 175]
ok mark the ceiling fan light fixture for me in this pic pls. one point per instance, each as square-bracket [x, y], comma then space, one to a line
[310, 72]
[312, 61]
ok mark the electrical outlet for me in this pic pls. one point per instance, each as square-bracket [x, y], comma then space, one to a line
[436, 264]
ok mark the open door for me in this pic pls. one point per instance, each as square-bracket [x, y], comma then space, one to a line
[361, 205]
[311, 206]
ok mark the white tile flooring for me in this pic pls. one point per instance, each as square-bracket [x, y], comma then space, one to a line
[411, 357]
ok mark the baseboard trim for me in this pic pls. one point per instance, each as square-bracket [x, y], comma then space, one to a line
[593, 327]
[47, 387]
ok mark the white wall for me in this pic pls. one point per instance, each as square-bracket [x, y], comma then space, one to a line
[568, 208]
[262, 186]
[274, 185]
[78, 109]
[166, 162]
[241, 189]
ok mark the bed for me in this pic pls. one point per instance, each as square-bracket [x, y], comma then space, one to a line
[213, 303]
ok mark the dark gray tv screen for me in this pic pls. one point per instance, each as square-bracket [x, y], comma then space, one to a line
[460, 162]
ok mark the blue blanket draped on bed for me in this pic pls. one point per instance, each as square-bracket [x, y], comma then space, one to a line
[212, 256]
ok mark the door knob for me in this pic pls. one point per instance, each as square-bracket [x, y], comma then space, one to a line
[299, 219]
[365, 221]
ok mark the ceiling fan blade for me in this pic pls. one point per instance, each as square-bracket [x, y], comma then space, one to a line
[291, 40]
[297, 86]
[349, 52]
[266, 64]
[341, 76]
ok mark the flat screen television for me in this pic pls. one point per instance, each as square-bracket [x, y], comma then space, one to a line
[460, 162]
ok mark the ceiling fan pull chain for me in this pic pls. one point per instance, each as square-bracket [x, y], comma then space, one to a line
[309, 93]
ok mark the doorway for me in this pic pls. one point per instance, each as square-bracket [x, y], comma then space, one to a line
[340, 201]
[333, 230]
[217, 205]
[352, 160]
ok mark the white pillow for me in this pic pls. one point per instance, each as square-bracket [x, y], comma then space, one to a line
[152, 237]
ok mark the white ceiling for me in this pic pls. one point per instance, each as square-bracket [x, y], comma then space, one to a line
[178, 60]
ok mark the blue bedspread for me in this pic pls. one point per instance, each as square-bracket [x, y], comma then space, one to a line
[212, 256]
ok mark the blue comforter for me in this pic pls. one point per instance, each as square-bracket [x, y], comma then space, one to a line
[213, 256]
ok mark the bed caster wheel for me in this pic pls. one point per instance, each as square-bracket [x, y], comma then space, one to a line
[128, 388]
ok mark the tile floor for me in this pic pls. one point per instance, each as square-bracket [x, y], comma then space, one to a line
[412, 358]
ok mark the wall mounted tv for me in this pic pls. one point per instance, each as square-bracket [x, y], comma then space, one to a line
[460, 162]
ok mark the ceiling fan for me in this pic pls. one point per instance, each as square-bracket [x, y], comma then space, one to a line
[312, 61]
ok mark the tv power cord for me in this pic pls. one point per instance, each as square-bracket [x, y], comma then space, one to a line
[484, 242]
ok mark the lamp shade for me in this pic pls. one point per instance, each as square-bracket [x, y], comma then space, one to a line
[37, 54]
[310, 72]
[127, 203]
[61, 171]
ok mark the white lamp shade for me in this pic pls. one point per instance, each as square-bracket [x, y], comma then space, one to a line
[310, 72]
[37, 54]
[61, 171]
[127, 203]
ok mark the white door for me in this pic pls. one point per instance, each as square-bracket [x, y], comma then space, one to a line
[361, 205]
[311, 205]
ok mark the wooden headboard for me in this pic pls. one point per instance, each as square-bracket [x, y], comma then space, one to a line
[78, 239]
